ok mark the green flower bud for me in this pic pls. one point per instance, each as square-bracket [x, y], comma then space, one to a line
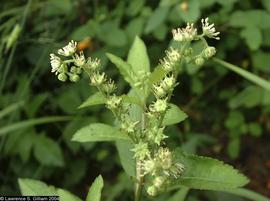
[209, 52]
[74, 78]
[188, 52]
[152, 191]
[141, 150]
[159, 181]
[63, 68]
[199, 61]
[62, 77]
[79, 71]
[73, 70]
[159, 106]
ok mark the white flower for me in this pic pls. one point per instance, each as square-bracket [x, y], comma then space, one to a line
[185, 34]
[168, 83]
[114, 102]
[172, 58]
[79, 59]
[97, 79]
[55, 63]
[159, 106]
[158, 90]
[69, 49]
[92, 64]
[209, 29]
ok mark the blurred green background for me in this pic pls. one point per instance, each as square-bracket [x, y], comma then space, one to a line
[228, 116]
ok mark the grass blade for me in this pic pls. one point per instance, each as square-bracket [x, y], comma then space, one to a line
[249, 76]
[31, 122]
[10, 109]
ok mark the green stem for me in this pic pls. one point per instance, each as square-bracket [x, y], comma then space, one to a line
[249, 76]
[246, 193]
[139, 183]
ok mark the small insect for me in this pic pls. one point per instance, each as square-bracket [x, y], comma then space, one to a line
[85, 44]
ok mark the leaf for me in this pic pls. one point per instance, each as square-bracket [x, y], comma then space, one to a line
[124, 68]
[266, 4]
[250, 97]
[157, 75]
[180, 195]
[135, 28]
[32, 122]
[97, 132]
[261, 61]
[138, 57]
[253, 37]
[9, 109]
[207, 173]
[94, 193]
[95, 99]
[47, 151]
[30, 187]
[174, 115]
[157, 18]
[252, 18]
[193, 12]
[249, 76]
[126, 157]
[233, 147]
[67, 196]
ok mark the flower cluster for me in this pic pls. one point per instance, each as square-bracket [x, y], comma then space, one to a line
[185, 34]
[161, 167]
[152, 156]
[209, 30]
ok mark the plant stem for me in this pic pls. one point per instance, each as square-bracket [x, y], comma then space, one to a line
[139, 182]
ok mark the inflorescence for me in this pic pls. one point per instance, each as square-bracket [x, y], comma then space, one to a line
[154, 159]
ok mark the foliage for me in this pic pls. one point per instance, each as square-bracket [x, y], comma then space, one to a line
[225, 110]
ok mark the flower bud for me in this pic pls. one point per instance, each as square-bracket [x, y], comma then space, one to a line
[152, 191]
[114, 102]
[209, 52]
[188, 51]
[97, 79]
[199, 61]
[73, 70]
[159, 106]
[159, 181]
[62, 77]
[74, 78]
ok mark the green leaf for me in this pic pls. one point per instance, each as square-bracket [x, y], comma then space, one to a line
[251, 18]
[253, 37]
[266, 4]
[261, 61]
[193, 13]
[30, 187]
[138, 57]
[157, 75]
[180, 195]
[48, 152]
[174, 115]
[250, 97]
[67, 196]
[126, 157]
[97, 132]
[255, 129]
[157, 18]
[233, 147]
[95, 99]
[249, 76]
[124, 68]
[32, 122]
[9, 109]
[207, 173]
[94, 193]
